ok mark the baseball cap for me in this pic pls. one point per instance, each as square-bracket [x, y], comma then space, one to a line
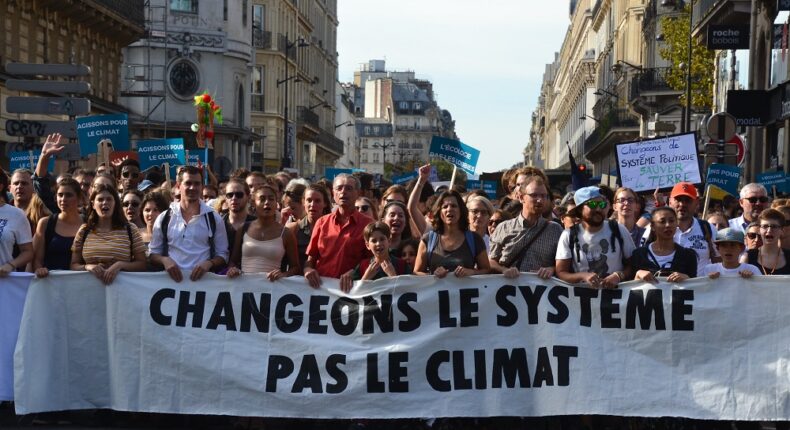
[729, 235]
[144, 185]
[587, 193]
[684, 189]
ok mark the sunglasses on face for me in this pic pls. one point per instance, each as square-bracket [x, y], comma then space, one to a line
[237, 194]
[599, 204]
[755, 200]
[133, 204]
[494, 222]
[363, 208]
[752, 236]
[127, 174]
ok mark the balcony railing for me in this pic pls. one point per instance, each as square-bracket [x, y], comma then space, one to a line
[307, 117]
[133, 10]
[256, 100]
[614, 118]
[702, 8]
[261, 39]
[329, 141]
[650, 80]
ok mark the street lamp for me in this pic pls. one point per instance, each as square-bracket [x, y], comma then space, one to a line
[585, 116]
[298, 43]
[601, 91]
[384, 146]
[346, 123]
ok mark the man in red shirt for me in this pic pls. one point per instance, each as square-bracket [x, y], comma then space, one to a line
[336, 245]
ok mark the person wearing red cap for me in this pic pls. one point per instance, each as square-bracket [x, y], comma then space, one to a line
[692, 232]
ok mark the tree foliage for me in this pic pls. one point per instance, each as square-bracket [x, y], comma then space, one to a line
[676, 36]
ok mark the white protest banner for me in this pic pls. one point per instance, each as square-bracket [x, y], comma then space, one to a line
[13, 290]
[406, 347]
[658, 163]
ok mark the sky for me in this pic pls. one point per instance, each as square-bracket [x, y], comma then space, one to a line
[485, 59]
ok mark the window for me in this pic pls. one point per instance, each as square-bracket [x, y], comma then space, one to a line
[257, 88]
[257, 144]
[224, 10]
[376, 130]
[367, 130]
[404, 105]
[365, 157]
[417, 106]
[189, 6]
[376, 157]
[365, 145]
[416, 145]
[244, 6]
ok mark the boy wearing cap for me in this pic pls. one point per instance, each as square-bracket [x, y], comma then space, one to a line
[596, 251]
[730, 245]
[692, 232]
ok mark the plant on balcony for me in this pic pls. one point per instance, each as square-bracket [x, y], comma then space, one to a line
[676, 37]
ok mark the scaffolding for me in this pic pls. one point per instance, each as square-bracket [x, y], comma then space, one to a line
[147, 79]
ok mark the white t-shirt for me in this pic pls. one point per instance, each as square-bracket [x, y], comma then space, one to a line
[14, 230]
[664, 261]
[718, 267]
[595, 250]
[694, 239]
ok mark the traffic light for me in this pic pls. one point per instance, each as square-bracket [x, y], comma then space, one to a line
[583, 168]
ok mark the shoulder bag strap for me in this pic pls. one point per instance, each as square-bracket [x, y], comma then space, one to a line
[523, 251]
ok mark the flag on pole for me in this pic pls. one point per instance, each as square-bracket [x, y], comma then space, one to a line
[578, 179]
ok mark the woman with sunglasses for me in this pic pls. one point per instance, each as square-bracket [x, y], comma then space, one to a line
[752, 237]
[55, 234]
[316, 202]
[107, 243]
[261, 245]
[496, 218]
[662, 257]
[627, 212]
[132, 201]
[770, 258]
[365, 206]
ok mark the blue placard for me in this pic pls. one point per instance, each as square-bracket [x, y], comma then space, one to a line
[402, 179]
[155, 152]
[21, 160]
[93, 129]
[473, 184]
[490, 188]
[455, 152]
[769, 179]
[331, 172]
[725, 177]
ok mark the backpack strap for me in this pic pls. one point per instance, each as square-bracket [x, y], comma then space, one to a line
[574, 239]
[49, 232]
[433, 239]
[470, 242]
[616, 236]
[165, 225]
[212, 226]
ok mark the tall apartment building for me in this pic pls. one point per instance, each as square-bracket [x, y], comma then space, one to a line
[192, 46]
[407, 105]
[89, 32]
[294, 76]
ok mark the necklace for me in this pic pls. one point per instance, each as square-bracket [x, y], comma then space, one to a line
[776, 262]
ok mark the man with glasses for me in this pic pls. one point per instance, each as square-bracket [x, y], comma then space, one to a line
[596, 251]
[754, 200]
[528, 242]
[130, 175]
[692, 232]
[337, 245]
[237, 195]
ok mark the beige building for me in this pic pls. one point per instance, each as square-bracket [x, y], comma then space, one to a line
[294, 71]
[88, 32]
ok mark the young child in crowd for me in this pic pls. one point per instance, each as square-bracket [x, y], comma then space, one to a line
[382, 264]
[730, 244]
[408, 251]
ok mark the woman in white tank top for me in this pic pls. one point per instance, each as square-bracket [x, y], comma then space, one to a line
[260, 245]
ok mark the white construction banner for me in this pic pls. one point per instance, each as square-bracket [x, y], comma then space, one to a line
[406, 347]
[12, 299]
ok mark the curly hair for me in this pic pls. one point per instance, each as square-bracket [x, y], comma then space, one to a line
[436, 212]
[118, 218]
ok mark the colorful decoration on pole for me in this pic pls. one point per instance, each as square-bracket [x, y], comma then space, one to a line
[208, 112]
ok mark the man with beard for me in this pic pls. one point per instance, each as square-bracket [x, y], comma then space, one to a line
[596, 252]
[237, 194]
[754, 200]
[692, 232]
[337, 244]
[185, 236]
[528, 242]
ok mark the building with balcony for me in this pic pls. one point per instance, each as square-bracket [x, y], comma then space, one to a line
[89, 32]
[534, 154]
[376, 143]
[293, 86]
[345, 126]
[192, 46]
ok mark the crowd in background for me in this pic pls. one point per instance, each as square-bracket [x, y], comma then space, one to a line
[121, 219]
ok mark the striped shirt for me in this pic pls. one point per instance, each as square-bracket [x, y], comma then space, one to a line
[108, 247]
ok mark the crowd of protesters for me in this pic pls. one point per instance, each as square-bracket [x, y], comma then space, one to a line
[121, 219]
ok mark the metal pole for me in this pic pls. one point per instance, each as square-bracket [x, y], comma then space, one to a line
[286, 162]
[687, 120]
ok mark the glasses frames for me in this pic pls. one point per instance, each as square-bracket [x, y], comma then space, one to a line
[599, 204]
